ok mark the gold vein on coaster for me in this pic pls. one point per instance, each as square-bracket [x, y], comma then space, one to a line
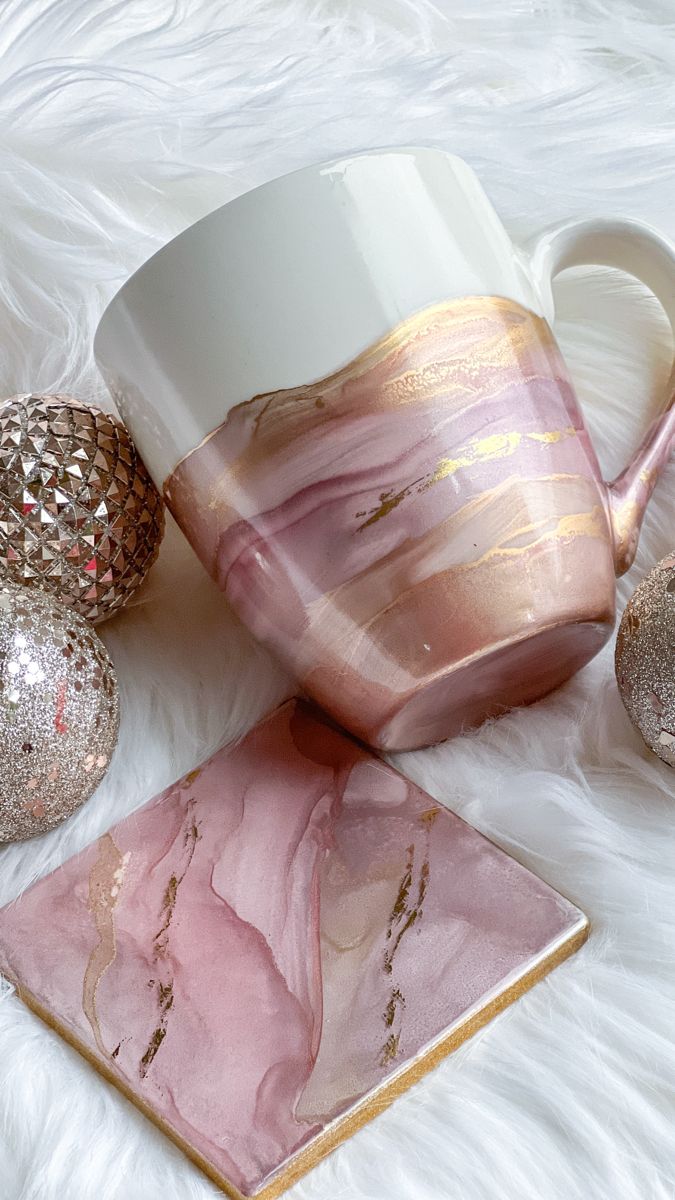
[265, 955]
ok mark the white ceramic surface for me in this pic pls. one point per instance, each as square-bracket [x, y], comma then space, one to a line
[291, 281]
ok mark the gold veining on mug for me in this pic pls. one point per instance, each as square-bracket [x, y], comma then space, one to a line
[555, 435]
[418, 383]
[624, 519]
[461, 428]
[625, 529]
[520, 509]
[476, 452]
[582, 524]
[466, 348]
[587, 524]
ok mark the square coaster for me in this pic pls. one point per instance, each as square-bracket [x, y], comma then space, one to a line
[265, 955]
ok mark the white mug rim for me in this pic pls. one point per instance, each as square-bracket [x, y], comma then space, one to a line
[269, 185]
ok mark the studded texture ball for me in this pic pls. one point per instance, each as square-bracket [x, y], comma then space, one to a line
[645, 659]
[79, 514]
[59, 711]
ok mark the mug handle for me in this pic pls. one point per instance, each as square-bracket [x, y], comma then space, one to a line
[641, 251]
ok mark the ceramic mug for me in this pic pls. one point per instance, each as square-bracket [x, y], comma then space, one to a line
[346, 383]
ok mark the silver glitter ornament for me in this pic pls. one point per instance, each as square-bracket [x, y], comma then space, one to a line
[59, 711]
[645, 659]
[79, 514]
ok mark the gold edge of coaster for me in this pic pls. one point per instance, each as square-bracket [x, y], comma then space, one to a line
[379, 1100]
[343, 1127]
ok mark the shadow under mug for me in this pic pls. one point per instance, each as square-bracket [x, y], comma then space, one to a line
[346, 384]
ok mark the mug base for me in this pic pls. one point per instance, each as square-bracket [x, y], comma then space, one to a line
[488, 685]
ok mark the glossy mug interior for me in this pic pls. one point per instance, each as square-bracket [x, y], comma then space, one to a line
[346, 383]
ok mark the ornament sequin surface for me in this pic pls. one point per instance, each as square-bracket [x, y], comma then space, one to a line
[59, 711]
[79, 514]
[645, 659]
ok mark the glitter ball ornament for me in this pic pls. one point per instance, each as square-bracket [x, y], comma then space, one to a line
[59, 711]
[79, 514]
[645, 659]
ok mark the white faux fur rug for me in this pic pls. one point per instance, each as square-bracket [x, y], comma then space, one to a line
[124, 122]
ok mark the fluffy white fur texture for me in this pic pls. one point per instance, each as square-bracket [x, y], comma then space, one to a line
[122, 123]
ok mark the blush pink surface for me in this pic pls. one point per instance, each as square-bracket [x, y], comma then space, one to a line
[422, 538]
[268, 942]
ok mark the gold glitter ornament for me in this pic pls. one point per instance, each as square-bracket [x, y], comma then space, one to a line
[645, 659]
[79, 514]
[59, 711]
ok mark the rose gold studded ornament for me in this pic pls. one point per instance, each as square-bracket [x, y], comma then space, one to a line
[645, 659]
[59, 711]
[79, 513]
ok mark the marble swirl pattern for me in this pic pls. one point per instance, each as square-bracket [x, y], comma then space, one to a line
[435, 500]
[269, 940]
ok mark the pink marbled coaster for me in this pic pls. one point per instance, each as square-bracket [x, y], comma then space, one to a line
[281, 938]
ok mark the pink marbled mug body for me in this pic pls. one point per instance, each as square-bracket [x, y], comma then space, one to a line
[423, 537]
[346, 382]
